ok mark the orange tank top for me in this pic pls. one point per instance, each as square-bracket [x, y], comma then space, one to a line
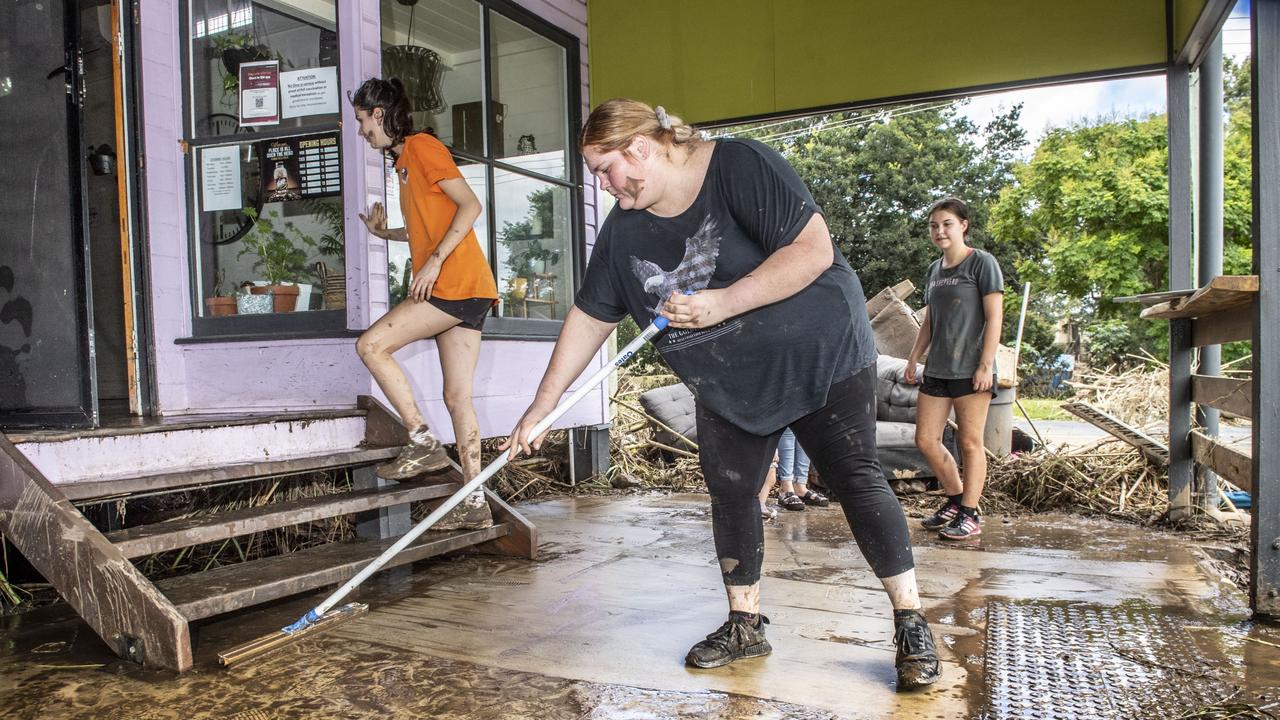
[428, 213]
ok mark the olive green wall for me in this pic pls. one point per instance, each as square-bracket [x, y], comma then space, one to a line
[1185, 14]
[710, 60]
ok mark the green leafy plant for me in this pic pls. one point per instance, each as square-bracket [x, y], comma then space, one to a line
[280, 253]
[330, 215]
[525, 247]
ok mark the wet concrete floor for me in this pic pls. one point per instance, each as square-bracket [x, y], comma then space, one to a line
[599, 626]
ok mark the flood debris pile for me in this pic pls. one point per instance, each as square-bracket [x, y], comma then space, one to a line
[1137, 396]
[1109, 478]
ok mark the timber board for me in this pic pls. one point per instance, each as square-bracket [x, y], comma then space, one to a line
[1222, 293]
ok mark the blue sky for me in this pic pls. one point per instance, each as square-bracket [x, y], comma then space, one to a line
[1048, 107]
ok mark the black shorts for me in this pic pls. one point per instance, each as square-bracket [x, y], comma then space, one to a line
[472, 311]
[952, 388]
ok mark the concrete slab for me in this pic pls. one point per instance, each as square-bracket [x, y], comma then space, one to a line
[599, 627]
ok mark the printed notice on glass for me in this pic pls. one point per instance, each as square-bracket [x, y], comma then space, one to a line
[319, 165]
[220, 178]
[309, 92]
[260, 93]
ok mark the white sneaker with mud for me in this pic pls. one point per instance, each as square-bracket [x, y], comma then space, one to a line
[471, 514]
[423, 454]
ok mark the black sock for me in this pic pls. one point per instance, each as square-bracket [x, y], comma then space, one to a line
[955, 499]
[752, 619]
[970, 511]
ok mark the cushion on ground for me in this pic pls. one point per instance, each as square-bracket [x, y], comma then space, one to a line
[673, 406]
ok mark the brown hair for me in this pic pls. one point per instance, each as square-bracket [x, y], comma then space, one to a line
[389, 95]
[613, 124]
[953, 205]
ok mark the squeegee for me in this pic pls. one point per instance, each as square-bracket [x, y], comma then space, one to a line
[323, 616]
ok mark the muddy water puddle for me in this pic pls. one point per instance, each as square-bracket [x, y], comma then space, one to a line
[597, 629]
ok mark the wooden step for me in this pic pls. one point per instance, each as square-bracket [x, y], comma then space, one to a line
[231, 587]
[102, 489]
[172, 534]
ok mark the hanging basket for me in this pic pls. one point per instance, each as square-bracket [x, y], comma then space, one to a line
[421, 70]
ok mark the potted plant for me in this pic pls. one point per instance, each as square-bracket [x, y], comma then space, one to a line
[221, 302]
[234, 49]
[280, 257]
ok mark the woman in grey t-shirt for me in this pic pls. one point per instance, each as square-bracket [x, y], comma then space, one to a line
[963, 294]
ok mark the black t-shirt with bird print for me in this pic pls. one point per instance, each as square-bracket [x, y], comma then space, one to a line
[765, 368]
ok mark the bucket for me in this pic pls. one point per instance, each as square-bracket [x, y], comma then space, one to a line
[998, 434]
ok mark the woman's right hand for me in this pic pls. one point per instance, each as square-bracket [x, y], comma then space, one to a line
[910, 372]
[519, 440]
[376, 221]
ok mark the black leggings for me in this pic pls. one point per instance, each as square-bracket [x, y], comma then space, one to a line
[840, 439]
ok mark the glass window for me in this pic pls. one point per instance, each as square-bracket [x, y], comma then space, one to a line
[265, 154]
[528, 83]
[287, 50]
[433, 46]
[534, 246]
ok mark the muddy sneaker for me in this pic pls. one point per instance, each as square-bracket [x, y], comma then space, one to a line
[965, 525]
[943, 516]
[815, 498]
[736, 639]
[423, 454]
[917, 659]
[470, 514]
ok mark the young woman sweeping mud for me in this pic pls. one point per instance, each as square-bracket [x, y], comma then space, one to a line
[768, 329]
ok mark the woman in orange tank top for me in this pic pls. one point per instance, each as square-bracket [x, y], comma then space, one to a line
[449, 298]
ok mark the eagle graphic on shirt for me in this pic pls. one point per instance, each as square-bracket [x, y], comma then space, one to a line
[694, 271]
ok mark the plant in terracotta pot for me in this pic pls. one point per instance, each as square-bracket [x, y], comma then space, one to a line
[221, 302]
[281, 257]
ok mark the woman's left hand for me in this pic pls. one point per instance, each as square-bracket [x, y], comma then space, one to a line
[702, 309]
[426, 278]
[982, 378]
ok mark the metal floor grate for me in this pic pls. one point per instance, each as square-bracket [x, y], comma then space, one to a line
[1080, 662]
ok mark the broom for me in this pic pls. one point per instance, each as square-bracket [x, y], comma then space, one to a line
[322, 617]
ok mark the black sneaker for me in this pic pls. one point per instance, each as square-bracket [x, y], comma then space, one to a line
[736, 639]
[942, 517]
[917, 659]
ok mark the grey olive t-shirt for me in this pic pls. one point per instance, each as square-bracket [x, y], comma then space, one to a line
[765, 368]
[956, 318]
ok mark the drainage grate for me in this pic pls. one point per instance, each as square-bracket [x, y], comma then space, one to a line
[1048, 661]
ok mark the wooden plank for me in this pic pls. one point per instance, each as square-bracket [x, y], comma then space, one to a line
[1155, 297]
[1154, 451]
[172, 534]
[382, 426]
[521, 541]
[82, 491]
[95, 578]
[1227, 394]
[1222, 293]
[1229, 461]
[171, 423]
[1231, 325]
[221, 590]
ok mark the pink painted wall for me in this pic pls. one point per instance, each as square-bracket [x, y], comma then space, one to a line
[315, 373]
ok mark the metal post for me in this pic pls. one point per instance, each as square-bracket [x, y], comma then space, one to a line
[1180, 206]
[1265, 558]
[1209, 237]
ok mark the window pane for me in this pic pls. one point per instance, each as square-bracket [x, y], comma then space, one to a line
[399, 265]
[529, 88]
[534, 246]
[292, 187]
[299, 36]
[433, 46]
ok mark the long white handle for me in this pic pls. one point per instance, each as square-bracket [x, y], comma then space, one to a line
[1022, 317]
[498, 463]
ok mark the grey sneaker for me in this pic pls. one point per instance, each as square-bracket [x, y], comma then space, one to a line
[470, 514]
[423, 454]
[734, 640]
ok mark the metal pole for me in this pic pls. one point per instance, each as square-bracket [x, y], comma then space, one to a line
[1264, 592]
[1180, 206]
[1209, 237]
